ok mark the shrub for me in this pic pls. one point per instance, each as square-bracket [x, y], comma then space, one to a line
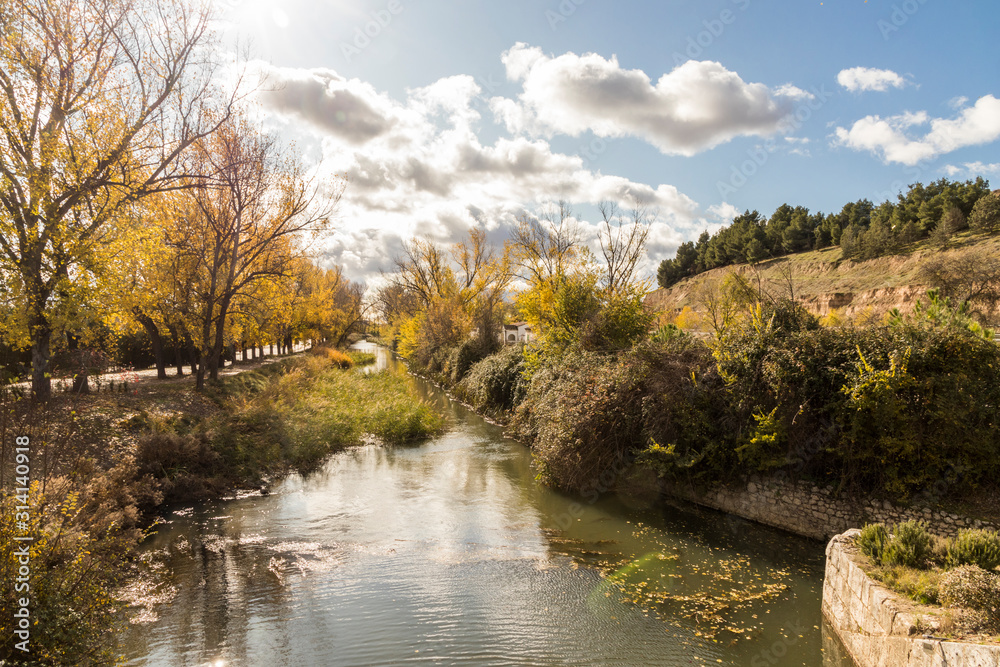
[497, 383]
[583, 415]
[909, 546]
[466, 356]
[362, 358]
[974, 547]
[973, 588]
[872, 541]
[335, 357]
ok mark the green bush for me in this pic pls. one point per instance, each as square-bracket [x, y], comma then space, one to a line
[889, 408]
[465, 356]
[362, 358]
[974, 547]
[582, 415]
[910, 545]
[497, 383]
[973, 588]
[872, 541]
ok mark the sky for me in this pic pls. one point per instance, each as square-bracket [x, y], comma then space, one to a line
[442, 116]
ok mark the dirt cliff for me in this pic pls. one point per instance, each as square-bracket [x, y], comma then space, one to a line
[823, 281]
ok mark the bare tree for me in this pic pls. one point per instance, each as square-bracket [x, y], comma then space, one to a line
[786, 279]
[968, 276]
[544, 248]
[623, 243]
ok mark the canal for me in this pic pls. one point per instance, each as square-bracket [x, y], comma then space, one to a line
[449, 552]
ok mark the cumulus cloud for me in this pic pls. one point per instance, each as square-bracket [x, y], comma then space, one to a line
[415, 165]
[858, 79]
[351, 109]
[890, 138]
[724, 212]
[973, 169]
[695, 107]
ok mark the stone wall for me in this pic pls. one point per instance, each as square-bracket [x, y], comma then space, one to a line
[880, 630]
[814, 512]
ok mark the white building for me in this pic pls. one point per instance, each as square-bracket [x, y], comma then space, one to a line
[518, 332]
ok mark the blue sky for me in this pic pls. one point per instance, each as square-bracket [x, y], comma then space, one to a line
[451, 114]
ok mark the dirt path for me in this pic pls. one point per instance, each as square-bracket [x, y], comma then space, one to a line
[148, 375]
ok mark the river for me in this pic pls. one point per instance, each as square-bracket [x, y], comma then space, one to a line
[449, 552]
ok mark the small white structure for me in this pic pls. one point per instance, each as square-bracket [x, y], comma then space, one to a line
[518, 332]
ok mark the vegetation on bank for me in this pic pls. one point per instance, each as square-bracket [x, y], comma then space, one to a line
[897, 409]
[960, 574]
[906, 407]
[101, 465]
[862, 230]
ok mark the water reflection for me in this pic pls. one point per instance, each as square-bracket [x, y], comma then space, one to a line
[450, 553]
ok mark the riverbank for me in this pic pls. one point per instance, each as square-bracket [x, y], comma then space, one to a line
[103, 465]
[810, 429]
[880, 628]
[449, 551]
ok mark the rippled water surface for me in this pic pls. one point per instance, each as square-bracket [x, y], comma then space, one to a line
[450, 553]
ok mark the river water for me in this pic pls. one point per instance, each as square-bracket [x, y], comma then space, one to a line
[449, 552]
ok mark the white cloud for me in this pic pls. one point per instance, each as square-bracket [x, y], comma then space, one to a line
[973, 169]
[858, 79]
[724, 212]
[793, 92]
[417, 166]
[888, 137]
[695, 107]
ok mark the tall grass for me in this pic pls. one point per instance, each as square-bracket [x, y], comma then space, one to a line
[302, 410]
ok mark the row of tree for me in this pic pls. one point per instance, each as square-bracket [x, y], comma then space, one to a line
[136, 192]
[862, 229]
[453, 301]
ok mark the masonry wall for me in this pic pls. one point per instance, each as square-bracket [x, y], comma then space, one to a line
[877, 629]
[814, 512]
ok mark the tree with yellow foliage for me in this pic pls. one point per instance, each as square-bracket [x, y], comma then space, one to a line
[253, 214]
[100, 101]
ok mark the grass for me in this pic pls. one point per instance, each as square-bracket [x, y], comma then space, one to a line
[299, 411]
[362, 358]
[921, 586]
[819, 274]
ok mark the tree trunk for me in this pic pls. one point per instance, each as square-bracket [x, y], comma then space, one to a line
[41, 337]
[203, 361]
[157, 342]
[192, 356]
[220, 330]
[81, 378]
[178, 346]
